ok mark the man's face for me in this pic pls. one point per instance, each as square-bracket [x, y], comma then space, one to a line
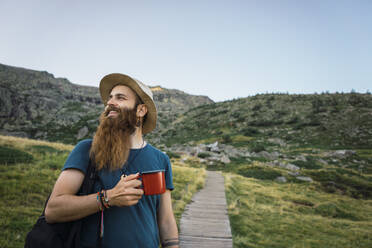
[121, 97]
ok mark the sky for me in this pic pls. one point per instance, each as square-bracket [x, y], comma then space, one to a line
[221, 49]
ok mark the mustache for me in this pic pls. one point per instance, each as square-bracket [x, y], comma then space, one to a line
[111, 108]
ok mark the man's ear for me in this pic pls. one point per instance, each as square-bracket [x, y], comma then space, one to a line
[141, 110]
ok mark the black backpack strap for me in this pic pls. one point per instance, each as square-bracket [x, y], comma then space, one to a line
[94, 176]
[86, 188]
[90, 178]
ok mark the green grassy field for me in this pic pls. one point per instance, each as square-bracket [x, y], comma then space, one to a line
[28, 170]
[335, 210]
[269, 214]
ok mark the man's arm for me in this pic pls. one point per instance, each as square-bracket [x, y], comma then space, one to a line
[64, 205]
[166, 222]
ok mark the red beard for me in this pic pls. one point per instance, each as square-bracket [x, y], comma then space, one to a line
[111, 143]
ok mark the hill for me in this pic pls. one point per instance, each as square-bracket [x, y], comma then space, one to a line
[35, 104]
[298, 168]
[324, 138]
[330, 120]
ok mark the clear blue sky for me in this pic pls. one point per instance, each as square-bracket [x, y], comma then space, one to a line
[222, 49]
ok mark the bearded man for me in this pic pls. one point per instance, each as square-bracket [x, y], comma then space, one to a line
[126, 217]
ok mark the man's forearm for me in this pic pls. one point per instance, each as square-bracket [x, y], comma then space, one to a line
[70, 207]
[169, 234]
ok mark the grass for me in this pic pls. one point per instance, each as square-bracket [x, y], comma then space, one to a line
[25, 186]
[9, 155]
[343, 181]
[269, 214]
[259, 172]
[187, 181]
[333, 211]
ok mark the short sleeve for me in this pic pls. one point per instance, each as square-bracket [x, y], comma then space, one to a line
[168, 173]
[79, 156]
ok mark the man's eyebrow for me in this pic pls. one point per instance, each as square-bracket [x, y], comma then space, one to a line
[119, 94]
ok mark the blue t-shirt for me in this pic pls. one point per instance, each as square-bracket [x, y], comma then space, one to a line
[133, 226]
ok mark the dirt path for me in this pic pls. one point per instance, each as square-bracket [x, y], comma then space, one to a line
[205, 222]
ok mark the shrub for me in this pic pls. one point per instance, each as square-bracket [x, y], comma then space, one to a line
[309, 164]
[226, 139]
[9, 155]
[203, 155]
[258, 172]
[333, 211]
[293, 120]
[346, 183]
[173, 155]
[250, 131]
[257, 107]
[43, 149]
[257, 147]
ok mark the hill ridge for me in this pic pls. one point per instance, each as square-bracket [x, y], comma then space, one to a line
[35, 104]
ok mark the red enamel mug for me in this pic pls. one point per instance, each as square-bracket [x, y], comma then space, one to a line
[153, 182]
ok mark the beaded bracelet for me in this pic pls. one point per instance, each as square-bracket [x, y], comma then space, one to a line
[102, 198]
[99, 202]
[105, 199]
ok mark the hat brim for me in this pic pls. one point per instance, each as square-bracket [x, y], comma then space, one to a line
[110, 81]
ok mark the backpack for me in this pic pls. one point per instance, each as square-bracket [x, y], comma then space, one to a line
[64, 234]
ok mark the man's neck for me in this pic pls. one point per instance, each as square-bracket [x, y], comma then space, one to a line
[137, 140]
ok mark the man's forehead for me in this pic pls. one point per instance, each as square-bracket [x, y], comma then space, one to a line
[121, 89]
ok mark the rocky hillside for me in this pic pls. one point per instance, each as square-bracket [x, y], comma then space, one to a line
[330, 120]
[324, 140]
[35, 104]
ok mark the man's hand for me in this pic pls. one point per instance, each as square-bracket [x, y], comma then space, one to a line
[126, 192]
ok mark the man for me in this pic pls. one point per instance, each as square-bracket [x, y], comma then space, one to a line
[126, 217]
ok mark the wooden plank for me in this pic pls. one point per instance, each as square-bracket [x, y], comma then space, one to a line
[205, 222]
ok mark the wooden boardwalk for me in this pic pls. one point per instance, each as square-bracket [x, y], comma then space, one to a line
[205, 222]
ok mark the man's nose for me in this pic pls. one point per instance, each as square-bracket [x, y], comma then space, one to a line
[111, 102]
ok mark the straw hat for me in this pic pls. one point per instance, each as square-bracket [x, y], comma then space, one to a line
[109, 81]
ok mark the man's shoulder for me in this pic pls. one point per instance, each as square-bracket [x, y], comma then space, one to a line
[79, 156]
[84, 143]
[82, 146]
[156, 151]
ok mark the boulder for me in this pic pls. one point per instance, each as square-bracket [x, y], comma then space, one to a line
[291, 167]
[230, 151]
[225, 159]
[323, 161]
[246, 154]
[340, 154]
[269, 156]
[294, 173]
[82, 133]
[281, 179]
[277, 141]
[305, 179]
[214, 147]
[301, 158]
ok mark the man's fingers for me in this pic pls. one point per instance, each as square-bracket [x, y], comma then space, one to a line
[133, 184]
[133, 192]
[130, 177]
